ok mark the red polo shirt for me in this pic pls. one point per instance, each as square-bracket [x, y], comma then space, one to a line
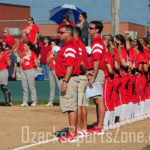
[82, 52]
[29, 63]
[68, 56]
[3, 58]
[98, 50]
[9, 41]
[32, 32]
[43, 52]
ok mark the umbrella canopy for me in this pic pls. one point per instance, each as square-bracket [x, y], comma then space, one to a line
[57, 13]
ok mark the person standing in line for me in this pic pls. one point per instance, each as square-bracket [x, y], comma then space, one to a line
[67, 70]
[52, 76]
[83, 82]
[28, 63]
[4, 64]
[12, 69]
[83, 25]
[33, 31]
[8, 40]
[97, 65]
[43, 56]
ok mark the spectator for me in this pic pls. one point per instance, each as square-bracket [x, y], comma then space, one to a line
[21, 44]
[28, 63]
[12, 69]
[66, 21]
[8, 40]
[83, 25]
[32, 30]
[4, 63]
[43, 56]
[53, 78]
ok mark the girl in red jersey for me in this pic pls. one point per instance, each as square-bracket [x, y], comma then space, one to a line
[121, 47]
[4, 64]
[108, 86]
[141, 78]
[28, 63]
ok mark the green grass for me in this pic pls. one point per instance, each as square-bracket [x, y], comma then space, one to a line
[146, 148]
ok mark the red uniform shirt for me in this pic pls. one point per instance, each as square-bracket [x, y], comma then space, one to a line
[52, 62]
[60, 25]
[9, 41]
[3, 58]
[29, 62]
[43, 52]
[82, 52]
[147, 53]
[31, 31]
[108, 60]
[98, 50]
[68, 56]
[132, 56]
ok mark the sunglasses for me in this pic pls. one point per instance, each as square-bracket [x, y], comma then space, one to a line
[91, 28]
[29, 20]
[61, 32]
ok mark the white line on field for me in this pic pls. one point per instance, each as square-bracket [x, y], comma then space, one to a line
[35, 144]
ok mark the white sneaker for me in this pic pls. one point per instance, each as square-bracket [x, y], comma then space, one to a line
[24, 105]
[49, 104]
[34, 104]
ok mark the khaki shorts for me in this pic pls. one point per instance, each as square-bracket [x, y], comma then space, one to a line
[83, 82]
[99, 78]
[69, 100]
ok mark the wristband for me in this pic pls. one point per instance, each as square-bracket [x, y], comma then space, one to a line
[65, 81]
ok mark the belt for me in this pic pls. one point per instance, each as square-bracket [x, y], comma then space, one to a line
[59, 78]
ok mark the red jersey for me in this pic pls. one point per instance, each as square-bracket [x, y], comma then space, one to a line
[147, 53]
[68, 56]
[31, 31]
[108, 60]
[82, 51]
[52, 62]
[3, 59]
[60, 25]
[98, 50]
[43, 52]
[29, 61]
[132, 56]
[116, 58]
[9, 41]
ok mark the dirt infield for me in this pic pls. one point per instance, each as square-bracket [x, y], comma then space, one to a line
[25, 126]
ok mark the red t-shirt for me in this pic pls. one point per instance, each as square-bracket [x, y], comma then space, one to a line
[82, 52]
[29, 62]
[21, 47]
[98, 50]
[108, 60]
[52, 62]
[3, 59]
[31, 31]
[70, 23]
[9, 41]
[68, 56]
[43, 52]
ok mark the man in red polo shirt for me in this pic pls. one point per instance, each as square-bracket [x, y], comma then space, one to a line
[8, 40]
[97, 64]
[67, 70]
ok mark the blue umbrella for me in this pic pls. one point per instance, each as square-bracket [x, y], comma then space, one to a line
[57, 13]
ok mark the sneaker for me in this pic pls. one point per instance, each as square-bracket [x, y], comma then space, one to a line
[49, 104]
[82, 134]
[34, 104]
[68, 138]
[96, 131]
[105, 127]
[24, 105]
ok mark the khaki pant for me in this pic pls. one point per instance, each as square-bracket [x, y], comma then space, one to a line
[83, 82]
[69, 100]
